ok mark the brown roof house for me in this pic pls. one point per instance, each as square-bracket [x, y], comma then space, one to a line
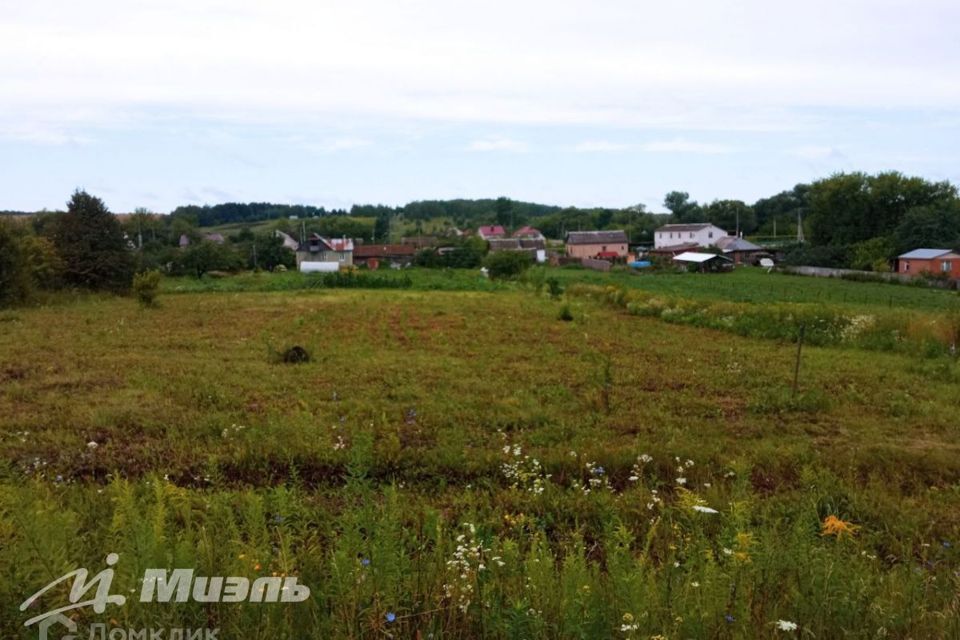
[605, 245]
[374, 255]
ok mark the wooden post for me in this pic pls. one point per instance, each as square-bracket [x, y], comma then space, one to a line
[796, 367]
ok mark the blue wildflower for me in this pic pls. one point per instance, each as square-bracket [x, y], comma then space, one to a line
[946, 544]
[365, 562]
[729, 618]
[391, 616]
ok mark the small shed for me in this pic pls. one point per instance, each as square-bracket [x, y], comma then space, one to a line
[696, 261]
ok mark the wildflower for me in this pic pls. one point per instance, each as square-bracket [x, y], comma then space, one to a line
[946, 544]
[681, 480]
[391, 616]
[727, 552]
[834, 526]
[365, 562]
[786, 625]
[92, 445]
[628, 618]
[703, 509]
[729, 618]
[695, 585]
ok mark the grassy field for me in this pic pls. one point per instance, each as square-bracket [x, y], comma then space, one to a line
[748, 285]
[463, 463]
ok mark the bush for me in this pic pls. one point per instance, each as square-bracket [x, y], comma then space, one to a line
[146, 286]
[15, 283]
[504, 265]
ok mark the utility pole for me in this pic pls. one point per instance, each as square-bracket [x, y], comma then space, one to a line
[799, 228]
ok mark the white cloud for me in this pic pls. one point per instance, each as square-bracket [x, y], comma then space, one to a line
[815, 152]
[600, 146]
[498, 143]
[749, 65]
[680, 145]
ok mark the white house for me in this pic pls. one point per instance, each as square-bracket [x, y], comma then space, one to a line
[702, 234]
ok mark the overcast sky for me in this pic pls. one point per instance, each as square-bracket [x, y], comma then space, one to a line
[161, 103]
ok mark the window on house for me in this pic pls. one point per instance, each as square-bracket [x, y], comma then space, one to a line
[710, 234]
[691, 234]
[906, 266]
[945, 266]
[604, 248]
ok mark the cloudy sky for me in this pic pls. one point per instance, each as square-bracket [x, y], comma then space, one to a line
[158, 103]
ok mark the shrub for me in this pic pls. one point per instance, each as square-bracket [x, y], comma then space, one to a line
[507, 264]
[15, 281]
[565, 313]
[146, 286]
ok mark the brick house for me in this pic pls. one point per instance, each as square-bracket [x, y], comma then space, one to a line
[935, 262]
[597, 244]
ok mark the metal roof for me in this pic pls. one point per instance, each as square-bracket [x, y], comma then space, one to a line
[597, 237]
[733, 243]
[693, 226]
[694, 256]
[923, 254]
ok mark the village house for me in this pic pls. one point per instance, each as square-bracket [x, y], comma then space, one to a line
[288, 241]
[934, 262]
[491, 231]
[741, 251]
[216, 238]
[701, 234]
[324, 254]
[374, 255]
[530, 238]
[606, 245]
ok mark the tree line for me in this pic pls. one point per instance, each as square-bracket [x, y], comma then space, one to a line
[854, 220]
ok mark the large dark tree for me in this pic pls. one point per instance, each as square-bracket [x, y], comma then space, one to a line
[732, 215]
[933, 227]
[92, 244]
[682, 207]
[14, 278]
[852, 207]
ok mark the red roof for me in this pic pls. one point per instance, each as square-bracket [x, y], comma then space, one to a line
[528, 232]
[491, 231]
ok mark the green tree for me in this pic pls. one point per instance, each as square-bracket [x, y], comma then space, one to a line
[933, 227]
[507, 264]
[731, 215]
[92, 244]
[682, 207]
[847, 208]
[202, 257]
[873, 254]
[14, 277]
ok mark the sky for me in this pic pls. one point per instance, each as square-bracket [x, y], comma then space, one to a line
[614, 103]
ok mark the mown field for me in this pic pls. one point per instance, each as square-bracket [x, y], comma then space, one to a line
[465, 464]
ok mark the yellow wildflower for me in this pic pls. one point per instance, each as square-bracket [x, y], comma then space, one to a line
[834, 526]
